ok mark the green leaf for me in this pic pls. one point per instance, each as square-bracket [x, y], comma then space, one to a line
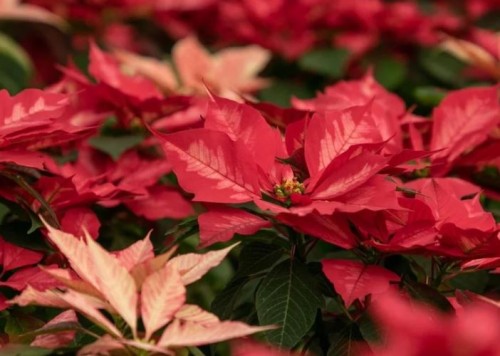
[288, 297]
[19, 325]
[473, 281]
[390, 72]
[15, 65]
[54, 328]
[443, 67]
[257, 257]
[280, 92]
[24, 350]
[429, 96]
[428, 295]
[254, 258]
[4, 211]
[369, 329]
[115, 146]
[226, 301]
[331, 62]
[342, 342]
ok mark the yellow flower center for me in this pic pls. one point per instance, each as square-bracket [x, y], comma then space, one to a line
[288, 187]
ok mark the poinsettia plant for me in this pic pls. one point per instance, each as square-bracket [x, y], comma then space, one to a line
[305, 178]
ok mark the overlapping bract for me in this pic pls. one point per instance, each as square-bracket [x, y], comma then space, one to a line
[335, 167]
[134, 284]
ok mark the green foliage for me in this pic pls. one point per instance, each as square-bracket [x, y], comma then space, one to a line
[331, 62]
[15, 66]
[24, 350]
[390, 72]
[288, 297]
[115, 145]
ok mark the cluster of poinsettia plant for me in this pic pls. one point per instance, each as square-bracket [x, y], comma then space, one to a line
[165, 206]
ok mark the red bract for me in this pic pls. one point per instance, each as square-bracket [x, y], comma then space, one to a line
[33, 120]
[60, 339]
[128, 97]
[105, 69]
[218, 166]
[353, 280]
[132, 180]
[229, 73]
[221, 223]
[134, 284]
[462, 121]
[413, 329]
[20, 261]
[386, 109]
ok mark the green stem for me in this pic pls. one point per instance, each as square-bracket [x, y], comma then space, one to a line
[20, 181]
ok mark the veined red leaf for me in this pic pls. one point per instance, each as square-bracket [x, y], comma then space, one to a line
[193, 266]
[157, 71]
[221, 223]
[58, 339]
[105, 68]
[329, 228]
[463, 120]
[210, 165]
[30, 111]
[387, 108]
[243, 123]
[343, 175]
[355, 280]
[77, 220]
[162, 295]
[331, 133]
[161, 202]
[33, 276]
[114, 282]
[136, 253]
[194, 334]
[36, 160]
[12, 256]
[377, 193]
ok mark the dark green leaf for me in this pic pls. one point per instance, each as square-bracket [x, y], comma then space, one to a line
[280, 92]
[54, 328]
[4, 211]
[330, 62]
[473, 281]
[288, 297]
[115, 146]
[226, 301]
[428, 295]
[24, 350]
[368, 329]
[390, 72]
[443, 67]
[16, 233]
[342, 342]
[429, 96]
[257, 257]
[19, 325]
[15, 65]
